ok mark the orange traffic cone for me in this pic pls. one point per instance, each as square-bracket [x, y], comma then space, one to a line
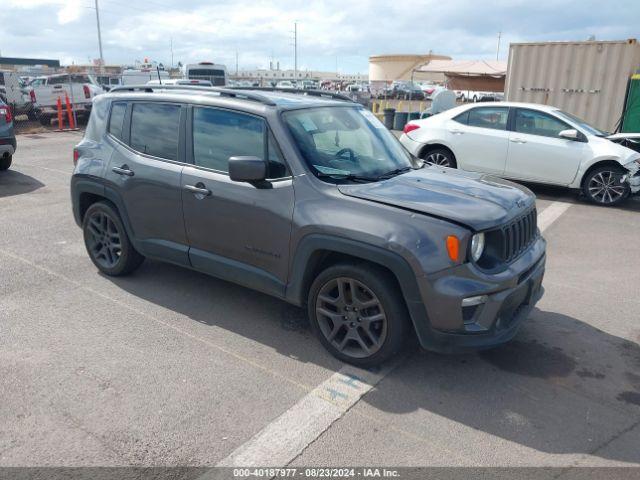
[72, 125]
[59, 113]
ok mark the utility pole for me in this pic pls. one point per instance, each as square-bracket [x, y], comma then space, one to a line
[295, 51]
[99, 36]
[236, 62]
[498, 49]
[171, 46]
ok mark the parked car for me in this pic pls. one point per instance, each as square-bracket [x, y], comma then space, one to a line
[15, 93]
[405, 91]
[528, 142]
[80, 88]
[7, 136]
[431, 89]
[285, 84]
[376, 245]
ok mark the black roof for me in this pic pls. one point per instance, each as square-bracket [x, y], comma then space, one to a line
[29, 61]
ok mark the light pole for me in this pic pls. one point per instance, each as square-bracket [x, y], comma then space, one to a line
[99, 36]
[498, 48]
[295, 52]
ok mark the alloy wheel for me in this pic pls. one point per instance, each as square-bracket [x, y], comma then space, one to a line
[104, 240]
[439, 159]
[351, 317]
[604, 189]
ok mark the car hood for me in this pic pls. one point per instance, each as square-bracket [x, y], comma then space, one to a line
[474, 200]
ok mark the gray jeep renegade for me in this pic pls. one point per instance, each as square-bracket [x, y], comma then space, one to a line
[308, 197]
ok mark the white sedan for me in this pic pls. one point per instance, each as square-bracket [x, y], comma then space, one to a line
[528, 142]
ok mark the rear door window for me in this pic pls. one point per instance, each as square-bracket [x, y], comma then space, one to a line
[488, 117]
[116, 120]
[220, 134]
[155, 128]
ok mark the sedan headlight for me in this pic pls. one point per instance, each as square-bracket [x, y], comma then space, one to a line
[477, 246]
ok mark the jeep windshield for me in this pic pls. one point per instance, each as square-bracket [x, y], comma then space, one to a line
[346, 143]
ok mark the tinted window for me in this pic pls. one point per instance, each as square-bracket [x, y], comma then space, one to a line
[538, 123]
[58, 80]
[489, 117]
[154, 129]
[220, 134]
[462, 118]
[277, 168]
[117, 119]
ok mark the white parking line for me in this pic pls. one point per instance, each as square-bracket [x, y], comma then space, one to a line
[287, 436]
[551, 214]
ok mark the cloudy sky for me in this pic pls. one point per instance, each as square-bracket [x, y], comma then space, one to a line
[330, 32]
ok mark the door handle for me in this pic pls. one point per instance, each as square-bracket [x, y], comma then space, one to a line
[517, 140]
[457, 132]
[198, 190]
[123, 170]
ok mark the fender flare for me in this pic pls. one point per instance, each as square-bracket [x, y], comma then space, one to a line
[302, 265]
[82, 184]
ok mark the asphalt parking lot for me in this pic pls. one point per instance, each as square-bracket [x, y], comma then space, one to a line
[171, 367]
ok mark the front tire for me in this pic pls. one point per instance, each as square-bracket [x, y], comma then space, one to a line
[358, 313]
[107, 242]
[602, 186]
[5, 162]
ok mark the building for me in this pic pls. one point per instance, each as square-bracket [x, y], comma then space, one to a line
[384, 69]
[29, 66]
[265, 76]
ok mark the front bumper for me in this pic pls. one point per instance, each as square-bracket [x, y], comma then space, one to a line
[507, 299]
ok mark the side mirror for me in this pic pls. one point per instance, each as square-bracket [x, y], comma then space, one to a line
[247, 169]
[571, 134]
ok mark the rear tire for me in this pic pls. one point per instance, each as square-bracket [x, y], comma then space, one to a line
[107, 242]
[440, 157]
[45, 120]
[358, 313]
[5, 163]
[602, 186]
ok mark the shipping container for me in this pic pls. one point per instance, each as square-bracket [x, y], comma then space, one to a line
[588, 79]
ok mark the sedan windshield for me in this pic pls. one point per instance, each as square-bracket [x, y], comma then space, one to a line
[591, 130]
[348, 143]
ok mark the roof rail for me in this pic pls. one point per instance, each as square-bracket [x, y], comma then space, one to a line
[314, 93]
[223, 92]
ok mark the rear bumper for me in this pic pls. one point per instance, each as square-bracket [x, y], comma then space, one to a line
[506, 300]
[7, 146]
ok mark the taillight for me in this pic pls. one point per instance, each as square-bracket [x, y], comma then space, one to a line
[87, 92]
[429, 91]
[76, 155]
[410, 127]
[32, 94]
[5, 111]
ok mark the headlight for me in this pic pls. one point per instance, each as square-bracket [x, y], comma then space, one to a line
[477, 246]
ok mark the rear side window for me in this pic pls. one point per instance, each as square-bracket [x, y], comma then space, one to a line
[116, 120]
[220, 134]
[488, 117]
[155, 128]
[462, 118]
[538, 123]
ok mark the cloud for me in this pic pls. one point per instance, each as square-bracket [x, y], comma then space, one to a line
[330, 32]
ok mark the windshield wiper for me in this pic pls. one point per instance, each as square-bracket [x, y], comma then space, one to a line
[347, 176]
[393, 173]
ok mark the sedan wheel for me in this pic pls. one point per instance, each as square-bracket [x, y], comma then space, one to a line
[440, 157]
[603, 187]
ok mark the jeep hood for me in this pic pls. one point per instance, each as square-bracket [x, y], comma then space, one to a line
[474, 200]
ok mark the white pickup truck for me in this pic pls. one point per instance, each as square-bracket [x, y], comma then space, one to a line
[80, 88]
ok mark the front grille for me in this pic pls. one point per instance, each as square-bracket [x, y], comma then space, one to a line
[518, 235]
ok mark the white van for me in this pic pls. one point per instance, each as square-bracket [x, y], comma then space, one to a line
[215, 73]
